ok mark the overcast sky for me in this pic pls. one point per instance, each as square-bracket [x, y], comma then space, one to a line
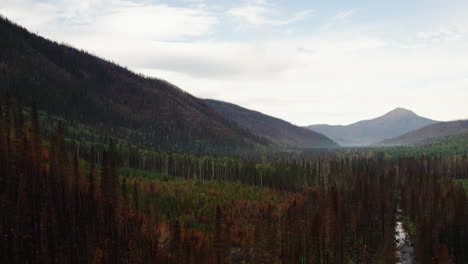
[304, 61]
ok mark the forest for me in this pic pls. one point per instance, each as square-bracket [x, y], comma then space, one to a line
[99, 164]
[78, 86]
[71, 194]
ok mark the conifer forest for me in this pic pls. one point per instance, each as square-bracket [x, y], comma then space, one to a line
[102, 165]
[61, 203]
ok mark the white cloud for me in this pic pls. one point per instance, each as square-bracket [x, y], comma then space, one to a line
[29, 14]
[343, 80]
[258, 13]
[440, 35]
[159, 22]
[343, 15]
[341, 18]
[111, 18]
[337, 74]
[202, 59]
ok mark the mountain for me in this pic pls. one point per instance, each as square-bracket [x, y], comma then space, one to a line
[277, 130]
[366, 132]
[78, 86]
[428, 134]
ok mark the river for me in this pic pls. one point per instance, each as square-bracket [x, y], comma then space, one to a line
[404, 248]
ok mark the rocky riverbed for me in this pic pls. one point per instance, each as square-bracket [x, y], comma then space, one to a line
[404, 247]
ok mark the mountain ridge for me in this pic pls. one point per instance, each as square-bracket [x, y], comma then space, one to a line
[366, 132]
[76, 85]
[428, 133]
[275, 129]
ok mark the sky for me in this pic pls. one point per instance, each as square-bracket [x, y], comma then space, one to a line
[305, 61]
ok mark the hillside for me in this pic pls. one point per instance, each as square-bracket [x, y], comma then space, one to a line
[428, 133]
[449, 146]
[173, 208]
[366, 132]
[275, 129]
[73, 84]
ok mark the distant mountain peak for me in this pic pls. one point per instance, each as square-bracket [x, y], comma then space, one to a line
[400, 111]
[366, 132]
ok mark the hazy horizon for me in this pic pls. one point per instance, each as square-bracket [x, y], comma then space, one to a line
[306, 63]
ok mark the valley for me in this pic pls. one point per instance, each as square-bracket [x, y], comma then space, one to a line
[99, 164]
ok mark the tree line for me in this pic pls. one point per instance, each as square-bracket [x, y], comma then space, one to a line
[61, 206]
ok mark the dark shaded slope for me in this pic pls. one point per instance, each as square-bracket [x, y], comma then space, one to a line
[277, 130]
[366, 132]
[428, 133]
[78, 86]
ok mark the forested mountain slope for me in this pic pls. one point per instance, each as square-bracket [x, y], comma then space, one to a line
[56, 207]
[78, 86]
[429, 133]
[275, 129]
[456, 145]
[366, 132]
